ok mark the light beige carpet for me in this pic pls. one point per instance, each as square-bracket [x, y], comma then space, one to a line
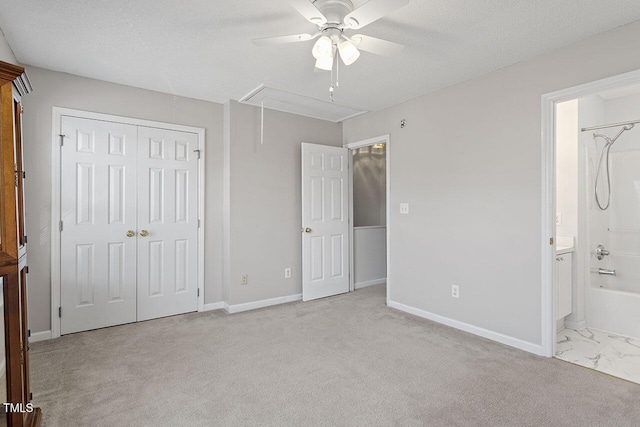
[345, 361]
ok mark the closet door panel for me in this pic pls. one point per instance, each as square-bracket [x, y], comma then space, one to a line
[98, 239]
[167, 222]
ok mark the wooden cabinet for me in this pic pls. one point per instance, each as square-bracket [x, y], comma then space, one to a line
[14, 368]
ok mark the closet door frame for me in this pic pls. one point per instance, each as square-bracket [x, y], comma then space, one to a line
[57, 114]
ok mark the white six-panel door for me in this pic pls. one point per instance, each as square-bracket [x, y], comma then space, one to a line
[129, 210]
[325, 216]
[98, 271]
[167, 222]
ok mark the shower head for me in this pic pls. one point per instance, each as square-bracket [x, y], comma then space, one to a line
[625, 128]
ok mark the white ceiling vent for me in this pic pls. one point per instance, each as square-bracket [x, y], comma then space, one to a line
[277, 99]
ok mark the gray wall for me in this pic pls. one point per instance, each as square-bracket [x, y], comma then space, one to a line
[6, 54]
[369, 186]
[369, 255]
[65, 90]
[263, 214]
[469, 163]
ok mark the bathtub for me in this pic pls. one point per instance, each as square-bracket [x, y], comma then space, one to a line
[613, 303]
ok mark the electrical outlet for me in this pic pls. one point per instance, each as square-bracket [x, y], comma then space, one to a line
[244, 279]
[287, 273]
[404, 208]
[455, 291]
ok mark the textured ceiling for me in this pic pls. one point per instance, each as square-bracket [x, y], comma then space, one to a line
[202, 48]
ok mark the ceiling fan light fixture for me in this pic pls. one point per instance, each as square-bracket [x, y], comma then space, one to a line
[325, 62]
[348, 52]
[322, 48]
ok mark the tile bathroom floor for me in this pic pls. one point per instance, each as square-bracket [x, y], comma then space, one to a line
[603, 351]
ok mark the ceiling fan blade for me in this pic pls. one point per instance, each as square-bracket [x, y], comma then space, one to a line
[285, 39]
[372, 11]
[376, 45]
[309, 11]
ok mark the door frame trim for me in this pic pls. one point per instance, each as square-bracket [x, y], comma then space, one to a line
[56, 194]
[382, 139]
[548, 196]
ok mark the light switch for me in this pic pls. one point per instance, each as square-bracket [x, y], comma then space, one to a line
[404, 208]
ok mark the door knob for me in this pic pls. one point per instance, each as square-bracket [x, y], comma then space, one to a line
[131, 233]
[307, 230]
[144, 233]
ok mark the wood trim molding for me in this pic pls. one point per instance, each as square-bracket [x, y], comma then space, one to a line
[9, 72]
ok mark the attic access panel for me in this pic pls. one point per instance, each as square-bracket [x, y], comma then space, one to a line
[277, 99]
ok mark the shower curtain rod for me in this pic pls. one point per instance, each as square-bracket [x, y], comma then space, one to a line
[612, 125]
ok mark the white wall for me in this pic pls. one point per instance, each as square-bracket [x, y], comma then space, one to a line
[469, 164]
[620, 109]
[567, 168]
[6, 54]
[263, 216]
[65, 90]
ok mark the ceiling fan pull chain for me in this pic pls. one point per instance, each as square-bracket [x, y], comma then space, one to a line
[331, 84]
[337, 72]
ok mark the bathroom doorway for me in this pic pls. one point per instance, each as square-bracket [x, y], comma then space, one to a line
[369, 188]
[595, 263]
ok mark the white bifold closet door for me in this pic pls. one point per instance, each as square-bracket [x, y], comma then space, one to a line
[98, 260]
[129, 223]
[167, 212]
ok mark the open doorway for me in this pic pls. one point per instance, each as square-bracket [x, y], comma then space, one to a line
[369, 195]
[595, 273]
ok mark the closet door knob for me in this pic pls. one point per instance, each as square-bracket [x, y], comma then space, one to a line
[144, 233]
[131, 233]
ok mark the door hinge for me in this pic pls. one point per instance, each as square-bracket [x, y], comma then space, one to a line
[60, 226]
[26, 269]
[25, 239]
[551, 241]
[21, 109]
[30, 395]
[62, 137]
[198, 223]
[198, 291]
[29, 333]
[59, 311]
[198, 153]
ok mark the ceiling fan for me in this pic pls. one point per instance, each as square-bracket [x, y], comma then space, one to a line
[334, 18]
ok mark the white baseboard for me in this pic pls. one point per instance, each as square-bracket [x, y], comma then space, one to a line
[485, 333]
[40, 336]
[360, 285]
[213, 306]
[576, 326]
[237, 308]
